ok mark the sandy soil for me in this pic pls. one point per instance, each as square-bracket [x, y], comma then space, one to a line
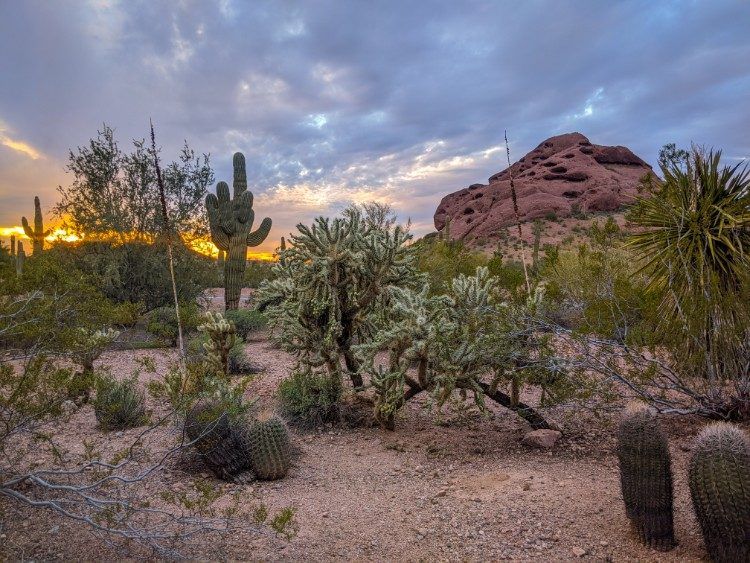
[463, 489]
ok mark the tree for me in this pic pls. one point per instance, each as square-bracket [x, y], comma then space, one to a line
[114, 194]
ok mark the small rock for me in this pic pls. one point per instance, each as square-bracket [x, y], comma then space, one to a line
[544, 439]
[54, 530]
[68, 407]
[604, 543]
[578, 551]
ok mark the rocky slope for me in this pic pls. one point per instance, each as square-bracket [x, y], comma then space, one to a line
[563, 176]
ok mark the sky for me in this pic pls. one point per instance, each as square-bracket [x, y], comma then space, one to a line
[351, 101]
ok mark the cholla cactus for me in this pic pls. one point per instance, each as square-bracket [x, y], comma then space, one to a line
[646, 477]
[37, 234]
[719, 477]
[90, 344]
[331, 289]
[231, 221]
[222, 337]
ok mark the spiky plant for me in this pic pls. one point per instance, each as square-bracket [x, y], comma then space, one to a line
[20, 259]
[231, 221]
[646, 477]
[695, 243]
[119, 404]
[221, 338]
[218, 439]
[267, 440]
[719, 477]
[37, 234]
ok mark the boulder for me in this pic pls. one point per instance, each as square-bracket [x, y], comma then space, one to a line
[543, 439]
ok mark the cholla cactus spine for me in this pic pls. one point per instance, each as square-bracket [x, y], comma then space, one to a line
[231, 221]
[268, 444]
[646, 477]
[37, 234]
[719, 476]
[222, 336]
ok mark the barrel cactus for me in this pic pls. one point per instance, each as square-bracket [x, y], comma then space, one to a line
[646, 477]
[37, 234]
[218, 440]
[268, 443]
[231, 221]
[719, 476]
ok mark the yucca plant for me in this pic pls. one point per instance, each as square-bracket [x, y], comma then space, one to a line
[695, 245]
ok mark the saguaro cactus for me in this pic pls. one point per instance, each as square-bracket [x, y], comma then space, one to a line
[20, 259]
[37, 234]
[231, 221]
[646, 477]
[719, 476]
[13, 246]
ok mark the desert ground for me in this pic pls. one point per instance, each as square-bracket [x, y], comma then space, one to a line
[458, 487]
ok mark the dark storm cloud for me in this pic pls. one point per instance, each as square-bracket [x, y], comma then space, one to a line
[334, 101]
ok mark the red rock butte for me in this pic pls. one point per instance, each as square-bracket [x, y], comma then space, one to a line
[563, 174]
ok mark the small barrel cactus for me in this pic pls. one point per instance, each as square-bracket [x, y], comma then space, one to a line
[217, 439]
[646, 477]
[268, 443]
[719, 476]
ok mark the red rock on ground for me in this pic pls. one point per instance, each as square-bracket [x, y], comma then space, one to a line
[562, 172]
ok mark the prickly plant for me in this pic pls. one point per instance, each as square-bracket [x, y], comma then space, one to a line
[221, 261]
[37, 234]
[222, 336]
[218, 439]
[13, 246]
[268, 443]
[119, 404]
[231, 221]
[719, 476]
[646, 477]
[20, 259]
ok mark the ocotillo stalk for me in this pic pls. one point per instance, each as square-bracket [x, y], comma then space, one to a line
[37, 234]
[518, 217]
[168, 233]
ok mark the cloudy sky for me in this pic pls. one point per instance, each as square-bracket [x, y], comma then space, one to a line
[343, 101]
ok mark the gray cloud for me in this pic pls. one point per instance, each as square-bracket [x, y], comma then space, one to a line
[334, 101]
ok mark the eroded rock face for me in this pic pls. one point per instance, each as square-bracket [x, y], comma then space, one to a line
[562, 172]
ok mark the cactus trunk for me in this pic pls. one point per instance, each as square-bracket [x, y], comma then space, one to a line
[646, 478]
[37, 234]
[719, 477]
[231, 221]
[20, 259]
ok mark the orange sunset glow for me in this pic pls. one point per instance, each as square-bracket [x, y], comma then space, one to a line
[60, 234]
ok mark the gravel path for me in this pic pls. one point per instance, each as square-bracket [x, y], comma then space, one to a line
[464, 489]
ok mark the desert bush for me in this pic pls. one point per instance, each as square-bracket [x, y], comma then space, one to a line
[127, 314]
[308, 400]
[137, 272]
[246, 321]
[257, 272]
[443, 260]
[162, 322]
[119, 404]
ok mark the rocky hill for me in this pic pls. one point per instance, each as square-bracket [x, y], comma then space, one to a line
[564, 176]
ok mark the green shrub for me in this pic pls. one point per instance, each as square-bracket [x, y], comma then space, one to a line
[162, 322]
[239, 363]
[308, 400]
[444, 260]
[256, 272]
[119, 404]
[127, 313]
[246, 321]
